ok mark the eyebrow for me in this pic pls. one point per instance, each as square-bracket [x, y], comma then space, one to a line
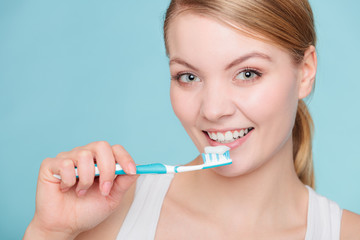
[248, 56]
[230, 65]
[182, 62]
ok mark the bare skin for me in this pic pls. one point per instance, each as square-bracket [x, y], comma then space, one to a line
[213, 207]
[67, 207]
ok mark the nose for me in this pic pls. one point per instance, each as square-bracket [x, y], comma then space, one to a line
[217, 102]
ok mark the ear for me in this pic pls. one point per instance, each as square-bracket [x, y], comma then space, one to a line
[308, 72]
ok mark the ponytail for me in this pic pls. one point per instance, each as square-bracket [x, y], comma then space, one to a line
[302, 145]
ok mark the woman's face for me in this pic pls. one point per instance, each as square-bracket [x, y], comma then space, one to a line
[230, 89]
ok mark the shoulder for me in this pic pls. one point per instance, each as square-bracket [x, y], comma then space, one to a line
[350, 226]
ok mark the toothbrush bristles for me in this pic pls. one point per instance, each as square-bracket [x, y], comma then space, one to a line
[215, 158]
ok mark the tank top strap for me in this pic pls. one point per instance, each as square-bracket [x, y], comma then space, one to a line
[323, 219]
[142, 218]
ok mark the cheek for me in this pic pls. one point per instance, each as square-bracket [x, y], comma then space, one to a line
[278, 102]
[276, 99]
[182, 105]
[272, 109]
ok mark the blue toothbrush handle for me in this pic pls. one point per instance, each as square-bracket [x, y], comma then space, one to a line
[154, 168]
[214, 157]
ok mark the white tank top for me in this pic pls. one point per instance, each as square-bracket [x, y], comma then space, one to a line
[323, 219]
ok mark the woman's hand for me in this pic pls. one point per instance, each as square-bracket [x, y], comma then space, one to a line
[67, 207]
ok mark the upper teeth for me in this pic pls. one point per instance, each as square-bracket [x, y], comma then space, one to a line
[228, 136]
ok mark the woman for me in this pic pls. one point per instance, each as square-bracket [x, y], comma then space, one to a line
[239, 71]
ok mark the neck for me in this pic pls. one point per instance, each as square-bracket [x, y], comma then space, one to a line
[270, 191]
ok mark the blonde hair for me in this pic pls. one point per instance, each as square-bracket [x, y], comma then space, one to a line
[287, 24]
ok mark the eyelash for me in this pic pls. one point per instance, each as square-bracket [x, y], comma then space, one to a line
[247, 69]
[180, 74]
[252, 70]
[181, 83]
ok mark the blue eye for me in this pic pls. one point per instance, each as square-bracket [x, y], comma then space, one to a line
[188, 78]
[248, 74]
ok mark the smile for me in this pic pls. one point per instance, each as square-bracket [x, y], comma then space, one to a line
[229, 136]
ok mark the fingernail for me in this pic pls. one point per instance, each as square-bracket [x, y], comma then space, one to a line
[81, 193]
[106, 187]
[132, 168]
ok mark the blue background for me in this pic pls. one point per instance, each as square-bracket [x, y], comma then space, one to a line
[73, 72]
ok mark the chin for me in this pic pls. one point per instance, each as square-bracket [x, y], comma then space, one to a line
[231, 170]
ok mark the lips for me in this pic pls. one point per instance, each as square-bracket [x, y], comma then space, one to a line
[224, 137]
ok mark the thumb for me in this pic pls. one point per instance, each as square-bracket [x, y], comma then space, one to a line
[122, 184]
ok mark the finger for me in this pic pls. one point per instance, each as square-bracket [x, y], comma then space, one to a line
[106, 164]
[72, 153]
[65, 169]
[86, 171]
[63, 155]
[124, 159]
[122, 184]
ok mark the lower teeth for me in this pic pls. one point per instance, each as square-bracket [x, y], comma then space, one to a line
[229, 141]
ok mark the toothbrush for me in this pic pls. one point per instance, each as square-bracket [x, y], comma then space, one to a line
[213, 157]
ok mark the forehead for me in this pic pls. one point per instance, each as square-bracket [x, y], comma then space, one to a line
[191, 34]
